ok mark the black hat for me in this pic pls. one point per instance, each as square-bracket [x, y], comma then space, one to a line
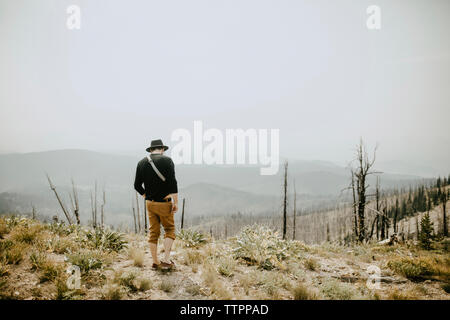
[156, 144]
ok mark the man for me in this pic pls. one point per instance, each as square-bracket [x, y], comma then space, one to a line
[157, 173]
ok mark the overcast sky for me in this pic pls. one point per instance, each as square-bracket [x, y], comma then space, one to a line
[137, 70]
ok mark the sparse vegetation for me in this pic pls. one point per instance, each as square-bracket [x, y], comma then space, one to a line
[336, 290]
[85, 260]
[259, 245]
[256, 264]
[112, 292]
[104, 239]
[311, 264]
[137, 255]
[167, 285]
[301, 292]
[191, 238]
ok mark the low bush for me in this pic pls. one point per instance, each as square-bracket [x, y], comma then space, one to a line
[191, 238]
[261, 246]
[414, 269]
[105, 239]
[86, 260]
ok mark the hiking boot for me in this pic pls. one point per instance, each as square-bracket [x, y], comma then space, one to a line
[166, 265]
[156, 266]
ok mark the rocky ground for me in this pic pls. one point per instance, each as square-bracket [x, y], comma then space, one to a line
[35, 258]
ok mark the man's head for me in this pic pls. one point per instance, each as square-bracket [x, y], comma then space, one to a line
[157, 146]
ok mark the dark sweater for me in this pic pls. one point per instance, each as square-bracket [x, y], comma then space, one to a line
[154, 188]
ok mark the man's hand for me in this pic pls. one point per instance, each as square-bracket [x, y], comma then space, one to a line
[174, 207]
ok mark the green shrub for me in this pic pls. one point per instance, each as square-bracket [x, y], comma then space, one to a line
[226, 266]
[105, 239]
[191, 238]
[336, 290]
[261, 246]
[127, 280]
[37, 260]
[85, 260]
[62, 229]
[414, 269]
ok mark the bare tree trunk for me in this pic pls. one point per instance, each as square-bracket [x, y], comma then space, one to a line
[444, 212]
[145, 217]
[66, 213]
[138, 213]
[134, 219]
[76, 206]
[285, 200]
[182, 217]
[354, 205]
[103, 209]
[295, 211]
[362, 171]
[395, 215]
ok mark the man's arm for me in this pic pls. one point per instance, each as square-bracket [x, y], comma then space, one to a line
[138, 181]
[173, 186]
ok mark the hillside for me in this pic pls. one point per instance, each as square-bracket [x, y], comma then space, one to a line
[35, 257]
[242, 189]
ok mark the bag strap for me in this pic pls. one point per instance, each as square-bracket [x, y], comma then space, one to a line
[160, 175]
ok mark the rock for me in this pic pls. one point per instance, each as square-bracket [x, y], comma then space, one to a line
[391, 280]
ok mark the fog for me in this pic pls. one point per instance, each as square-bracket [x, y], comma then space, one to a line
[137, 70]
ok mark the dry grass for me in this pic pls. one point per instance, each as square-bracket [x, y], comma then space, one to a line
[397, 294]
[421, 268]
[217, 287]
[12, 252]
[26, 233]
[311, 264]
[4, 230]
[112, 292]
[225, 266]
[336, 290]
[167, 285]
[145, 285]
[137, 255]
[301, 292]
[192, 257]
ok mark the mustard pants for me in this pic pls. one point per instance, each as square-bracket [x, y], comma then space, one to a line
[160, 213]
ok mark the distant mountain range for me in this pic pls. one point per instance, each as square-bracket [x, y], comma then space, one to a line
[209, 190]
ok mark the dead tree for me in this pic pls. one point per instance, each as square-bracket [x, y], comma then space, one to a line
[377, 200]
[33, 212]
[138, 213]
[362, 171]
[295, 211]
[145, 216]
[395, 214]
[66, 213]
[75, 203]
[444, 199]
[285, 200]
[103, 209]
[134, 216]
[355, 215]
[182, 217]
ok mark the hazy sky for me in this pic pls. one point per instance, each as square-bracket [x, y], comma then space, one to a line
[137, 70]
